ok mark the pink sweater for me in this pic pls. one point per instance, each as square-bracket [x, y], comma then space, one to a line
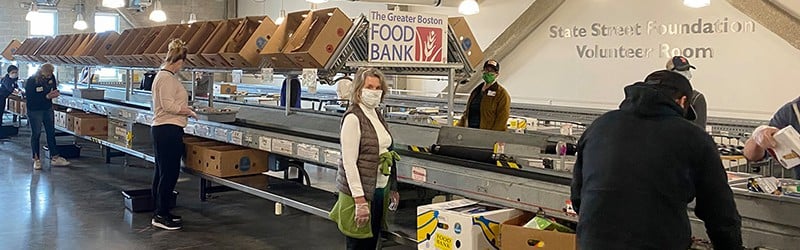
[169, 96]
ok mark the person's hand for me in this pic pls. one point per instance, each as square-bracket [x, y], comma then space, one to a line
[53, 94]
[362, 211]
[394, 201]
[16, 92]
[192, 114]
[763, 135]
[187, 110]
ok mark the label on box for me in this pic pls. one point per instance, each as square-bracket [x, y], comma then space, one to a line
[443, 241]
[236, 76]
[201, 130]
[419, 174]
[125, 114]
[120, 131]
[265, 143]
[189, 129]
[308, 151]
[221, 134]
[236, 137]
[333, 157]
[267, 75]
[282, 146]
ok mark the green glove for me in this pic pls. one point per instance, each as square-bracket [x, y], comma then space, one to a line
[387, 159]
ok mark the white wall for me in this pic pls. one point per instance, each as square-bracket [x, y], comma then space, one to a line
[273, 7]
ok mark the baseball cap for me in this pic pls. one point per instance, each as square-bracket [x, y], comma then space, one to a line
[677, 82]
[492, 63]
[679, 63]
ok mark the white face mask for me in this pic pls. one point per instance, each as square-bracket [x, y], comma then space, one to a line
[687, 74]
[371, 98]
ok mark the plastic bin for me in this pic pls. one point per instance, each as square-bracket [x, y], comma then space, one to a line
[68, 151]
[8, 131]
[141, 200]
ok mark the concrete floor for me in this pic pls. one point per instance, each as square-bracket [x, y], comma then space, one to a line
[81, 207]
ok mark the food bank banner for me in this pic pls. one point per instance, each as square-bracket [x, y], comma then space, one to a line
[405, 37]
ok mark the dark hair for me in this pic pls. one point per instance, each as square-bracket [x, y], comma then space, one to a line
[670, 83]
[11, 68]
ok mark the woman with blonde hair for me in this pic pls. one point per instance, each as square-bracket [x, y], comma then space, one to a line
[170, 115]
[367, 170]
[40, 90]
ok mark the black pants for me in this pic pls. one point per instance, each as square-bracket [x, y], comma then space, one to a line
[376, 221]
[169, 148]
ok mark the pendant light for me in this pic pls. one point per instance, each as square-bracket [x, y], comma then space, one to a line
[282, 16]
[469, 7]
[80, 22]
[32, 12]
[696, 3]
[192, 16]
[158, 15]
[113, 3]
[317, 1]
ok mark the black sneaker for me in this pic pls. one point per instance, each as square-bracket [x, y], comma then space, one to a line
[164, 223]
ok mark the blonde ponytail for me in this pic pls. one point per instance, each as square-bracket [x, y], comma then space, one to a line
[177, 51]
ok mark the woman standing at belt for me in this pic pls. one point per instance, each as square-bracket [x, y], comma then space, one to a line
[367, 169]
[170, 112]
[40, 90]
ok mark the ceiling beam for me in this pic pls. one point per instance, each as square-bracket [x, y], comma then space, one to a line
[772, 17]
[512, 36]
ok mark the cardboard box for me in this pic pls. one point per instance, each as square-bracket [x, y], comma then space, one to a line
[34, 55]
[470, 224]
[119, 46]
[467, 41]
[90, 125]
[230, 160]
[244, 47]
[318, 37]
[128, 134]
[145, 42]
[103, 45]
[194, 150]
[61, 55]
[126, 46]
[67, 55]
[49, 49]
[60, 118]
[71, 119]
[213, 46]
[23, 108]
[273, 51]
[201, 32]
[788, 150]
[158, 54]
[11, 48]
[514, 236]
[77, 54]
[27, 48]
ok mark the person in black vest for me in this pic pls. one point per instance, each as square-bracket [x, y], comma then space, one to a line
[40, 90]
[8, 86]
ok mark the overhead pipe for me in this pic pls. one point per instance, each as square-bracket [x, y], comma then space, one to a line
[434, 3]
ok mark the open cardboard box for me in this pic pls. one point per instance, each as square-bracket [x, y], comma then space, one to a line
[143, 43]
[61, 55]
[126, 55]
[162, 42]
[178, 33]
[461, 224]
[273, 51]
[102, 45]
[29, 45]
[48, 49]
[317, 38]
[245, 45]
[148, 55]
[8, 52]
[514, 236]
[213, 46]
[126, 38]
[200, 34]
[33, 55]
[467, 41]
[77, 41]
[78, 54]
[194, 158]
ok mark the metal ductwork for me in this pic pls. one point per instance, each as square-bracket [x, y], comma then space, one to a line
[434, 3]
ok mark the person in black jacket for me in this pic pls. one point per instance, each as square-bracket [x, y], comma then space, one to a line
[40, 90]
[639, 166]
[8, 86]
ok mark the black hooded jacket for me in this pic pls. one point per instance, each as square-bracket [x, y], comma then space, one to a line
[7, 85]
[637, 169]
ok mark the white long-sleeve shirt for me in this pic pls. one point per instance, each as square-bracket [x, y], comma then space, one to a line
[351, 141]
[169, 96]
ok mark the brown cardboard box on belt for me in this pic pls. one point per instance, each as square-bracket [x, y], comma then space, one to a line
[91, 125]
[317, 38]
[514, 236]
[273, 51]
[8, 52]
[230, 160]
[148, 55]
[144, 41]
[214, 45]
[194, 149]
[161, 52]
[200, 34]
[103, 45]
[467, 41]
[245, 45]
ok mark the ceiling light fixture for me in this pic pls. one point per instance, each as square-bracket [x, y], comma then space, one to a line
[80, 24]
[158, 15]
[113, 3]
[469, 7]
[32, 12]
[317, 1]
[192, 16]
[282, 16]
[696, 3]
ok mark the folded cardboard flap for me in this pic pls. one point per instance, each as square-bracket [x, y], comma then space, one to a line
[284, 32]
[220, 36]
[305, 37]
[178, 32]
[8, 52]
[245, 30]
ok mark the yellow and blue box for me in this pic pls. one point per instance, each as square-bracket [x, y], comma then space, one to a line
[461, 224]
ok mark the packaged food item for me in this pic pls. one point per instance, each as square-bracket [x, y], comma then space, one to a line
[788, 150]
[548, 224]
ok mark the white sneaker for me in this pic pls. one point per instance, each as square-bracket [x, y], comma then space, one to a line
[58, 161]
[37, 165]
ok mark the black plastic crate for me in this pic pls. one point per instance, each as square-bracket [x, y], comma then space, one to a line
[68, 151]
[141, 200]
[8, 131]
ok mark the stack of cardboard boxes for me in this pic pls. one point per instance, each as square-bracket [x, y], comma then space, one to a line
[223, 160]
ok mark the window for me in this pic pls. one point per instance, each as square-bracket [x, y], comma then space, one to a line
[44, 23]
[107, 22]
